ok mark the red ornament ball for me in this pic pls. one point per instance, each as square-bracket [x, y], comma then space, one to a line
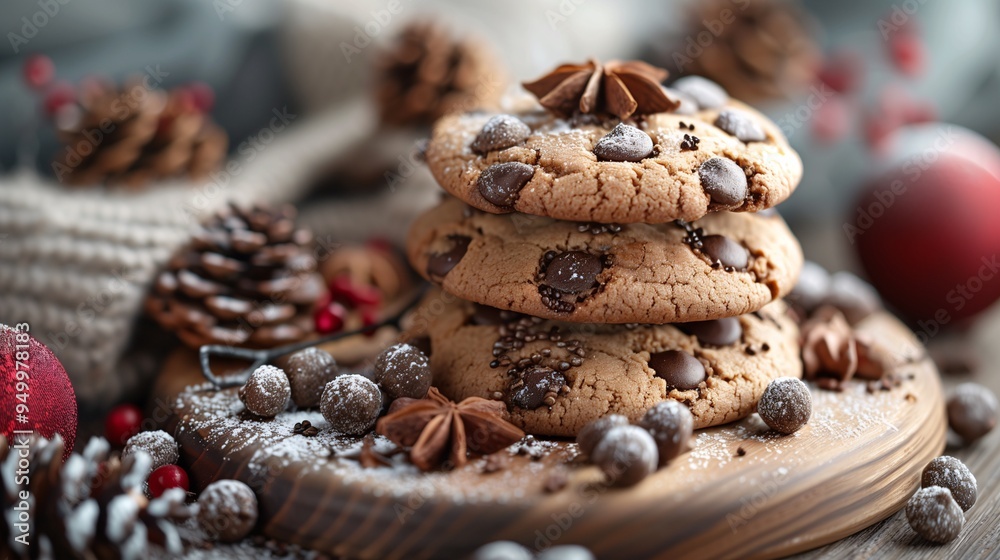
[166, 478]
[123, 422]
[36, 394]
[926, 230]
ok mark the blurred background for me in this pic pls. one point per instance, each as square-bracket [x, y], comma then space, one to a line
[314, 98]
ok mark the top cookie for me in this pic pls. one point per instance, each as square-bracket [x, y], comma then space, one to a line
[711, 154]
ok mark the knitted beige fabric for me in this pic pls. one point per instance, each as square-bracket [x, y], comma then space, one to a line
[75, 264]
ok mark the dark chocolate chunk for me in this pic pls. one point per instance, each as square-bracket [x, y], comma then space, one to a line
[539, 383]
[440, 264]
[679, 369]
[741, 125]
[573, 272]
[624, 143]
[501, 183]
[723, 180]
[718, 332]
[726, 251]
[500, 133]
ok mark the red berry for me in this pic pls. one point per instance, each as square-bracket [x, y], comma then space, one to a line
[907, 53]
[329, 318]
[202, 95]
[166, 478]
[843, 71]
[60, 95]
[38, 71]
[122, 423]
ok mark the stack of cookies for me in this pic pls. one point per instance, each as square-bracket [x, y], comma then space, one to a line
[610, 250]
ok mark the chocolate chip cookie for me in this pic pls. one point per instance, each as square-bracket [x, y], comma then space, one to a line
[652, 168]
[556, 377]
[723, 265]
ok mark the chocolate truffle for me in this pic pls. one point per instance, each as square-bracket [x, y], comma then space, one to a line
[403, 371]
[594, 432]
[934, 514]
[972, 411]
[266, 392]
[949, 472]
[309, 371]
[227, 510]
[626, 455]
[159, 445]
[786, 405]
[351, 404]
[671, 425]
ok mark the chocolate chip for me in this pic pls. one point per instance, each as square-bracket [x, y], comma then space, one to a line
[949, 472]
[679, 369]
[706, 93]
[573, 272]
[539, 383]
[500, 133]
[500, 183]
[671, 425]
[718, 332]
[934, 514]
[741, 125]
[786, 405]
[624, 143]
[626, 455]
[972, 411]
[719, 248]
[593, 432]
[440, 264]
[724, 181]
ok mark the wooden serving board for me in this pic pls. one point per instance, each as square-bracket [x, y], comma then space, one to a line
[742, 492]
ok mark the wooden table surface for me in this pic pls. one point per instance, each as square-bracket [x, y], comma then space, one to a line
[893, 537]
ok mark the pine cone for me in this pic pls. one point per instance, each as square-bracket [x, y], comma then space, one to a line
[247, 279]
[90, 507]
[766, 52]
[133, 135]
[427, 74]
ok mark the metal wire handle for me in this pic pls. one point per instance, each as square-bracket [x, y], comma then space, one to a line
[258, 358]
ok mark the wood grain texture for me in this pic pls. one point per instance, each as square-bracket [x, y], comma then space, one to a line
[893, 539]
[854, 465]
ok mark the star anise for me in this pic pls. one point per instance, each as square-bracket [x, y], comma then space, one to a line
[437, 429]
[621, 88]
[833, 352]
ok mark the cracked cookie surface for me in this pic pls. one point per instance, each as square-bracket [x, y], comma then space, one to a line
[559, 175]
[606, 369]
[723, 265]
